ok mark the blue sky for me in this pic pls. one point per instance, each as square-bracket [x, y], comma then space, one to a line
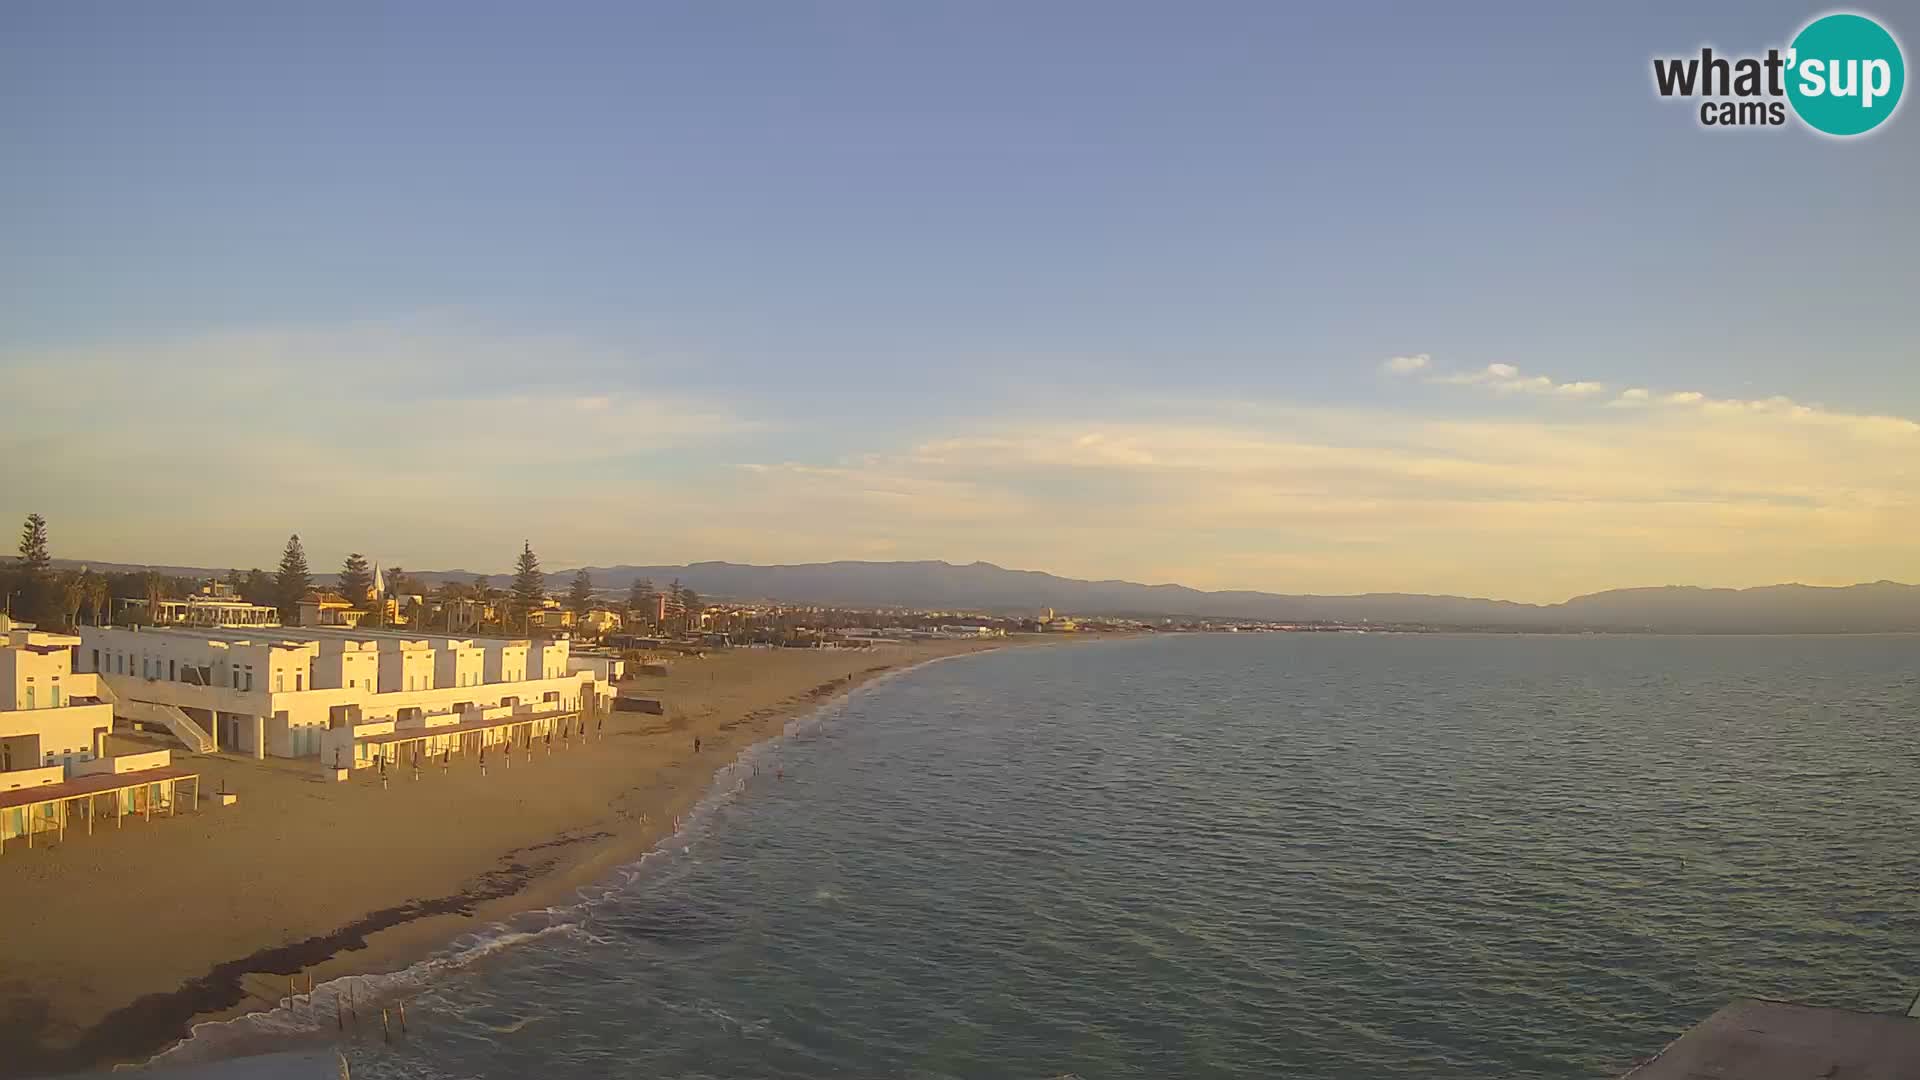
[1106, 289]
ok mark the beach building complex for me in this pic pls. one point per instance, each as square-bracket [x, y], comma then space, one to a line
[320, 692]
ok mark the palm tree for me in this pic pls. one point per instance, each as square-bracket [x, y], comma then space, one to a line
[99, 596]
[73, 595]
[156, 586]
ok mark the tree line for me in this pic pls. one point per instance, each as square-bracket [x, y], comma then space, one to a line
[37, 593]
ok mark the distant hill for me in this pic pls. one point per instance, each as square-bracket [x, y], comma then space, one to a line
[1877, 607]
[1881, 606]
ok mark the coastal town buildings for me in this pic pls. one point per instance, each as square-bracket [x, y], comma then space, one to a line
[290, 692]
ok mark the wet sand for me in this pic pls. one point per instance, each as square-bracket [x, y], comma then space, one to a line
[117, 943]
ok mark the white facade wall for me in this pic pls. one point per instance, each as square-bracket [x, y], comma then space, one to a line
[459, 663]
[40, 726]
[506, 661]
[258, 664]
[547, 659]
[355, 668]
[406, 669]
[296, 723]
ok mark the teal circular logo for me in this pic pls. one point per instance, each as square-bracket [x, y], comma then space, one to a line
[1845, 74]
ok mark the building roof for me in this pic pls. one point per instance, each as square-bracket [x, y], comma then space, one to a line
[97, 784]
[1756, 1039]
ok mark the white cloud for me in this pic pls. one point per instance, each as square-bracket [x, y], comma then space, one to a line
[1580, 389]
[1407, 365]
[1506, 379]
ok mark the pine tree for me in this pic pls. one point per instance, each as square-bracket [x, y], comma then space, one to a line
[356, 580]
[294, 581]
[37, 594]
[529, 584]
[676, 605]
[580, 595]
[34, 558]
[641, 599]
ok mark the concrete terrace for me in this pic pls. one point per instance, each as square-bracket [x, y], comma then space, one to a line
[1755, 1039]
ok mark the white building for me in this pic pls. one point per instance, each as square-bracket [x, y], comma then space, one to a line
[281, 692]
[50, 717]
[213, 606]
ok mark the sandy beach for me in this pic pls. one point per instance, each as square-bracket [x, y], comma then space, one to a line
[120, 941]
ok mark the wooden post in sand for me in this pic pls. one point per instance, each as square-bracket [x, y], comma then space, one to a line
[386, 1032]
[403, 1016]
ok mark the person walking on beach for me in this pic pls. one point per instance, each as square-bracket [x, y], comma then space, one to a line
[696, 744]
[416, 763]
[446, 755]
[483, 759]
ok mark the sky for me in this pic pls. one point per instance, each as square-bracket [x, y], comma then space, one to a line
[1334, 298]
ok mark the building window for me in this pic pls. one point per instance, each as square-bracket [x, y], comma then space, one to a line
[279, 681]
[298, 678]
[29, 697]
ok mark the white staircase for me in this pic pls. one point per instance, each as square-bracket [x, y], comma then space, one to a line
[182, 725]
[167, 716]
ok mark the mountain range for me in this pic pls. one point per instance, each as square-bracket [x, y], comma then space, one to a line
[1881, 606]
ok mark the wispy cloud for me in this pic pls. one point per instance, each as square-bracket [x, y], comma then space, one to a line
[1506, 379]
[1407, 365]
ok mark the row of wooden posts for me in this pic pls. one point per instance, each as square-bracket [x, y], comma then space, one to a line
[568, 733]
[142, 804]
[345, 1013]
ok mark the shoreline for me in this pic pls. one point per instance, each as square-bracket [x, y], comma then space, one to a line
[573, 851]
